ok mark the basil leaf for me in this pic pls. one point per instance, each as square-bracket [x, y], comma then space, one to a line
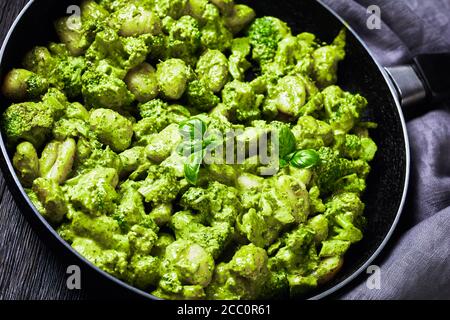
[304, 159]
[286, 139]
[283, 163]
[289, 156]
[192, 167]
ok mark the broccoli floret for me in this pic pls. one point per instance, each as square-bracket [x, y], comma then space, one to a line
[119, 52]
[136, 51]
[61, 70]
[343, 109]
[311, 133]
[102, 229]
[141, 240]
[294, 249]
[184, 39]
[218, 203]
[94, 192]
[157, 115]
[112, 261]
[289, 54]
[351, 183]
[33, 121]
[103, 91]
[241, 101]
[143, 271]
[68, 75]
[355, 147]
[346, 202]
[56, 101]
[164, 240]
[28, 121]
[74, 124]
[154, 108]
[265, 33]
[331, 168]
[344, 228]
[130, 210]
[332, 248]
[313, 107]
[200, 96]
[52, 199]
[92, 154]
[214, 238]
[160, 186]
[326, 61]
[21, 84]
[216, 36]
[344, 210]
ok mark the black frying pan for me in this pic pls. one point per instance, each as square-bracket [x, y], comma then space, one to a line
[359, 72]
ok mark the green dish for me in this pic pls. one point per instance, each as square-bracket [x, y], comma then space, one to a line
[191, 149]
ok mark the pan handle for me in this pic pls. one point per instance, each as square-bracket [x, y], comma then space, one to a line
[426, 79]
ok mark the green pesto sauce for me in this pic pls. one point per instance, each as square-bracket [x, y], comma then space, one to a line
[95, 125]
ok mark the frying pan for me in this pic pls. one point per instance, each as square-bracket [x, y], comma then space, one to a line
[386, 91]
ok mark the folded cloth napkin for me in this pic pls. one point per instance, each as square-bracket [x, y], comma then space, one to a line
[416, 264]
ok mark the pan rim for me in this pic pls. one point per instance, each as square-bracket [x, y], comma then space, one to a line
[393, 91]
[13, 182]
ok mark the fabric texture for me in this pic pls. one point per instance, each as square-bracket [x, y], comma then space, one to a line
[416, 263]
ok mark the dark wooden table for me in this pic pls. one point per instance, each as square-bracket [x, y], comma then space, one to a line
[28, 269]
